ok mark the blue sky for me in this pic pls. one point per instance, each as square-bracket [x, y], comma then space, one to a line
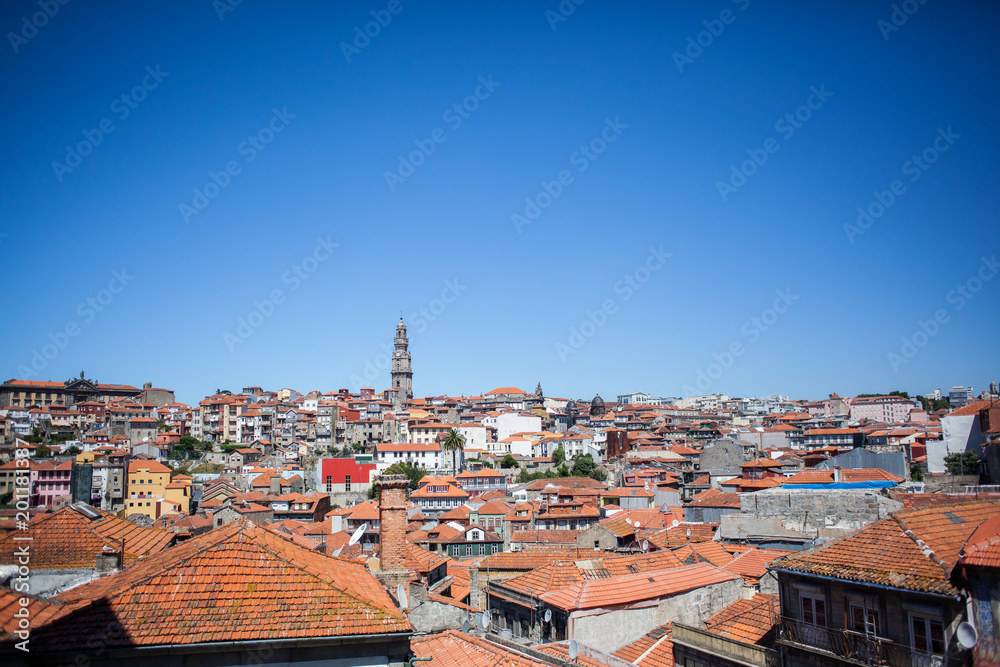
[618, 100]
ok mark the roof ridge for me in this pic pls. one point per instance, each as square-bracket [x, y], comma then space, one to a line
[924, 547]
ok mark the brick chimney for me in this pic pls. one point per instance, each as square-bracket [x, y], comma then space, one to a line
[392, 531]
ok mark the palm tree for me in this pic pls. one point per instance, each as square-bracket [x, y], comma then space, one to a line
[453, 441]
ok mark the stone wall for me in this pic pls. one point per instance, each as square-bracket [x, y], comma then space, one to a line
[614, 629]
[823, 512]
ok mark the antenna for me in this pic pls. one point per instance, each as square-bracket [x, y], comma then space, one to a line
[967, 635]
[574, 649]
[401, 596]
[358, 533]
[547, 616]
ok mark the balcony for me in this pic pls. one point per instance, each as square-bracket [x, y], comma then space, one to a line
[859, 648]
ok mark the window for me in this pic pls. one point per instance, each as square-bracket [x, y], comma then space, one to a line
[482, 549]
[347, 482]
[928, 634]
[863, 618]
[813, 609]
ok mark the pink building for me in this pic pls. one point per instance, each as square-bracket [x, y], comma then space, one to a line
[49, 480]
[891, 409]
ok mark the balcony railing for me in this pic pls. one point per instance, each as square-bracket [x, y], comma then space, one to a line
[860, 648]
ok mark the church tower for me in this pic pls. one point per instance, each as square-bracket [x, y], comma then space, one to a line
[402, 374]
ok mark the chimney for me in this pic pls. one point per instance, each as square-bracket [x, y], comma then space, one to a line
[475, 592]
[392, 531]
[108, 561]
[837, 477]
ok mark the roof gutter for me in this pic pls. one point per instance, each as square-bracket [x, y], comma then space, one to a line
[957, 598]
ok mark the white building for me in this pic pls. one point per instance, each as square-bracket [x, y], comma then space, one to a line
[890, 409]
[427, 455]
[475, 436]
[961, 431]
[509, 423]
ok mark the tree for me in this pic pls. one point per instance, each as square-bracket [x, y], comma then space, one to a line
[72, 450]
[413, 473]
[42, 451]
[558, 456]
[916, 474]
[509, 462]
[583, 465]
[453, 442]
[963, 463]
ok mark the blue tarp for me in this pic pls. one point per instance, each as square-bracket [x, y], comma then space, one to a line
[842, 485]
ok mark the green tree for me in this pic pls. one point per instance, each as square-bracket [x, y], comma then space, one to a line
[453, 442]
[916, 473]
[42, 451]
[962, 463]
[563, 471]
[558, 455]
[509, 462]
[72, 450]
[413, 473]
[583, 465]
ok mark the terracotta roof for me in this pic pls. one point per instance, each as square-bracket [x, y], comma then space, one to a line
[239, 582]
[849, 475]
[452, 648]
[494, 507]
[545, 536]
[634, 588]
[67, 539]
[652, 650]
[39, 611]
[912, 550]
[571, 482]
[686, 533]
[560, 574]
[751, 621]
[561, 650]
[715, 498]
[753, 563]
[761, 463]
[704, 552]
[983, 548]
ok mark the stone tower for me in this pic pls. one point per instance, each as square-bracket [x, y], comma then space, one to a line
[402, 374]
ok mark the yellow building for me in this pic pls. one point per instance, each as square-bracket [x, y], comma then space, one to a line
[147, 483]
[179, 491]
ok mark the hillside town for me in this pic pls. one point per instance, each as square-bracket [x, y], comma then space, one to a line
[371, 527]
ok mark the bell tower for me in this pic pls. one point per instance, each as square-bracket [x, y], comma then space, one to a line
[402, 373]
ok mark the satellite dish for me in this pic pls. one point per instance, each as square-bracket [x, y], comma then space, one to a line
[637, 524]
[548, 615]
[358, 533]
[465, 626]
[967, 635]
[401, 596]
[645, 545]
[484, 621]
[675, 523]
[574, 649]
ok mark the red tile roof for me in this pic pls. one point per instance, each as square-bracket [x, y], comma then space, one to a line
[715, 498]
[983, 548]
[239, 582]
[655, 649]
[814, 476]
[751, 621]
[458, 649]
[634, 588]
[67, 539]
[912, 550]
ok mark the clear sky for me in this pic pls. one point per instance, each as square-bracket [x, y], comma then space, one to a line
[610, 199]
